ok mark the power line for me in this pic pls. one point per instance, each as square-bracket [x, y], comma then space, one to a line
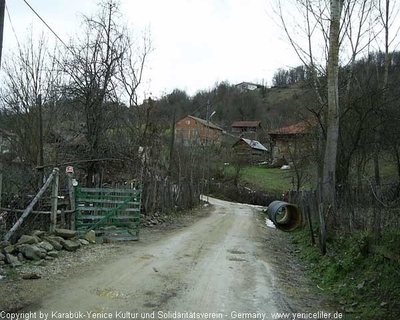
[12, 26]
[67, 47]
[2, 9]
[46, 24]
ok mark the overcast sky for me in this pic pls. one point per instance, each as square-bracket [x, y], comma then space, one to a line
[196, 42]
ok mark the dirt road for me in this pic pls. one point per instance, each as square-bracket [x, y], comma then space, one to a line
[216, 265]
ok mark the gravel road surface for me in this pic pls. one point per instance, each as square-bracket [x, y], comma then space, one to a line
[217, 267]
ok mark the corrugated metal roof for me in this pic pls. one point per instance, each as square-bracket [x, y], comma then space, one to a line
[204, 122]
[246, 124]
[254, 144]
[298, 128]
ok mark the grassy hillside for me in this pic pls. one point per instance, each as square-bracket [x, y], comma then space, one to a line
[362, 284]
[271, 180]
[285, 105]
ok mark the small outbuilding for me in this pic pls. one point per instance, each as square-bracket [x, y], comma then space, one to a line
[251, 150]
[283, 138]
[247, 129]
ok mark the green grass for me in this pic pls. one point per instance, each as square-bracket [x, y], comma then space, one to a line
[276, 180]
[389, 170]
[273, 180]
[12, 274]
[364, 285]
[387, 167]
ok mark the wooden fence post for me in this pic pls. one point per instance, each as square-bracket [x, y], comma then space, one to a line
[308, 210]
[1, 180]
[71, 192]
[54, 201]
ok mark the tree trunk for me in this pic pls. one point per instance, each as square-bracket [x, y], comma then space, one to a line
[378, 192]
[329, 172]
[397, 155]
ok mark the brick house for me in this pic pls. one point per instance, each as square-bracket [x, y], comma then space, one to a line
[191, 130]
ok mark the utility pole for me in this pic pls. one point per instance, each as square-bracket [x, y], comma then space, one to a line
[40, 166]
[208, 149]
[2, 9]
[172, 143]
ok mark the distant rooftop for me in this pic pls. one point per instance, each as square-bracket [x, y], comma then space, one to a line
[248, 84]
[297, 128]
[240, 124]
[255, 144]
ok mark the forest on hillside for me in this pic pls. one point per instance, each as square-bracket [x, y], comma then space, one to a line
[79, 106]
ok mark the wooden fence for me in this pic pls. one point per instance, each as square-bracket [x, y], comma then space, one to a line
[357, 208]
[52, 181]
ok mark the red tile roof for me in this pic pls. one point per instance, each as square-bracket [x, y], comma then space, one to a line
[297, 128]
[246, 124]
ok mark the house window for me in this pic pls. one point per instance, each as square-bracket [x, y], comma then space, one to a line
[187, 122]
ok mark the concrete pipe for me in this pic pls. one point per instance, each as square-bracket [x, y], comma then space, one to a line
[285, 216]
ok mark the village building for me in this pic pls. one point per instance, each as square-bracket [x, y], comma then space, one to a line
[283, 140]
[247, 86]
[192, 130]
[247, 129]
[251, 151]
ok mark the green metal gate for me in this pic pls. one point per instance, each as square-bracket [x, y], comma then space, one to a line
[114, 214]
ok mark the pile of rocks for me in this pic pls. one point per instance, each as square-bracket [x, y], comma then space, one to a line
[40, 246]
[154, 219]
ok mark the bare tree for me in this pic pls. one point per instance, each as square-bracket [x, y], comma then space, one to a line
[130, 77]
[93, 65]
[328, 27]
[332, 132]
[387, 13]
[301, 151]
[29, 98]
